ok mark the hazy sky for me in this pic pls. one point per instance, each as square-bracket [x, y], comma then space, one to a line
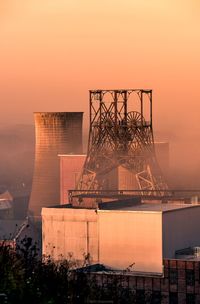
[53, 51]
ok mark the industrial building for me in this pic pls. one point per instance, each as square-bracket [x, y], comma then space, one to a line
[70, 170]
[6, 206]
[179, 284]
[55, 133]
[121, 159]
[112, 205]
[121, 151]
[118, 236]
[71, 166]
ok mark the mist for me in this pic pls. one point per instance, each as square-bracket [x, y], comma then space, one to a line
[52, 53]
[16, 158]
[184, 147]
[18, 148]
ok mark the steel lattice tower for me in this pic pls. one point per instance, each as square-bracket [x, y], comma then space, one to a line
[120, 137]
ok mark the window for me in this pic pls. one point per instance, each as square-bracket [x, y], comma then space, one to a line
[173, 298]
[173, 276]
[190, 298]
[189, 277]
[156, 297]
[140, 296]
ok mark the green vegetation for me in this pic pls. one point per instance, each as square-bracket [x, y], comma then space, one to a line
[25, 278]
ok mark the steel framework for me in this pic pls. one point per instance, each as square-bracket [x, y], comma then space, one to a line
[120, 136]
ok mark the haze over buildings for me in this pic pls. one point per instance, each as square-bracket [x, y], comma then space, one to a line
[52, 53]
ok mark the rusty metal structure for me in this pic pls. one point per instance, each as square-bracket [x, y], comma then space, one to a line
[121, 134]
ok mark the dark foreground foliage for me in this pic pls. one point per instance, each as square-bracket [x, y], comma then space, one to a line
[24, 278]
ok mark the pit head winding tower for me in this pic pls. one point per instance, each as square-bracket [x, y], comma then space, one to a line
[121, 134]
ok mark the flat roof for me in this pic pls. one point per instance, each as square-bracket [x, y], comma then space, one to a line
[71, 154]
[130, 206]
[150, 207]
[161, 142]
[105, 270]
[55, 112]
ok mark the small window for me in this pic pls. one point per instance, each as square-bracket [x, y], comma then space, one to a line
[173, 276]
[173, 298]
[156, 297]
[140, 296]
[189, 277]
[190, 298]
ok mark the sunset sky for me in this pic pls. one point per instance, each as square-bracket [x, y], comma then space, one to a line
[54, 51]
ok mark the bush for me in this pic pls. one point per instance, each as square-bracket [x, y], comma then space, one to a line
[26, 278]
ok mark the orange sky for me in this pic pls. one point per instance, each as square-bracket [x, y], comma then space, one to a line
[54, 51]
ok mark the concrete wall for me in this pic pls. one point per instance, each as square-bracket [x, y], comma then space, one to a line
[120, 238]
[126, 179]
[66, 231]
[55, 133]
[114, 238]
[181, 229]
[127, 237]
[70, 170]
[121, 179]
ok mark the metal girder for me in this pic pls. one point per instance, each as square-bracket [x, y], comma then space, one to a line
[120, 135]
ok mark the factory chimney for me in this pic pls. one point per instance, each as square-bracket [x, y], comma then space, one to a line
[55, 133]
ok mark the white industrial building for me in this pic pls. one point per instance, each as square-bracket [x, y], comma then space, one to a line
[138, 237]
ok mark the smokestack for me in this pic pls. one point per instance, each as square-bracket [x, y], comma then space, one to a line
[56, 133]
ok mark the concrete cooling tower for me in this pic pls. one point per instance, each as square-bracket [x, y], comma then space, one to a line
[56, 133]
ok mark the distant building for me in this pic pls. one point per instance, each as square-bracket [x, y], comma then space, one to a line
[6, 206]
[71, 166]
